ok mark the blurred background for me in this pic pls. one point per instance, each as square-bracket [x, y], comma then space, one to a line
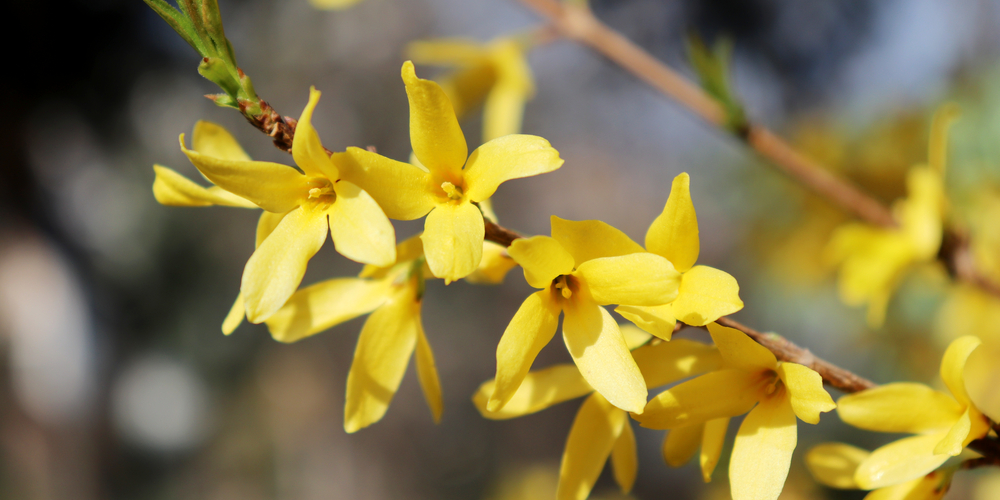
[116, 382]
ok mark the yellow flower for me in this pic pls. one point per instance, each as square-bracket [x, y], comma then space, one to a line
[389, 337]
[600, 430]
[454, 229]
[944, 424]
[306, 201]
[333, 4]
[874, 260]
[705, 293]
[581, 267]
[835, 464]
[681, 443]
[751, 380]
[496, 73]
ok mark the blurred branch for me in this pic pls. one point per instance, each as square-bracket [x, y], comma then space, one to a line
[578, 23]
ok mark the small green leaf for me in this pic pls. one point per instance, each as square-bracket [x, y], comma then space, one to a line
[712, 67]
[223, 100]
[215, 70]
[179, 22]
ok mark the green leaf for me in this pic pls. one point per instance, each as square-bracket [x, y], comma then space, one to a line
[179, 22]
[223, 100]
[215, 70]
[712, 67]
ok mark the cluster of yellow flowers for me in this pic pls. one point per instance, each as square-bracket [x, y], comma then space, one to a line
[578, 270]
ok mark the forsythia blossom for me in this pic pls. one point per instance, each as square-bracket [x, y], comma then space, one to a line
[705, 293]
[581, 267]
[944, 424]
[454, 228]
[389, 337]
[751, 379]
[835, 465]
[600, 430]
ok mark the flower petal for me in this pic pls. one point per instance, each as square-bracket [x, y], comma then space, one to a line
[427, 373]
[674, 233]
[387, 340]
[436, 138]
[705, 295]
[723, 393]
[539, 390]
[542, 259]
[271, 186]
[468, 87]
[634, 336]
[446, 52]
[591, 438]
[833, 464]
[682, 443]
[657, 320]
[899, 407]
[805, 387]
[173, 189]
[276, 268]
[503, 110]
[953, 366]
[505, 158]
[326, 304]
[763, 449]
[641, 279]
[598, 348]
[453, 240]
[899, 461]
[266, 224]
[954, 441]
[360, 231]
[668, 362]
[213, 140]
[494, 266]
[711, 445]
[932, 486]
[625, 458]
[740, 351]
[591, 239]
[307, 150]
[401, 189]
[235, 316]
[532, 326]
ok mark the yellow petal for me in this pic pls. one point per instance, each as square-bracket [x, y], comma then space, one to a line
[436, 138]
[273, 187]
[933, 486]
[705, 295]
[953, 366]
[360, 231]
[453, 240]
[899, 461]
[387, 340]
[276, 268]
[505, 158]
[668, 362]
[740, 351]
[634, 337]
[723, 393]
[539, 390]
[922, 211]
[307, 150]
[833, 464]
[625, 458]
[427, 373]
[674, 233]
[401, 189]
[591, 239]
[657, 320]
[468, 87]
[598, 348]
[503, 111]
[446, 52]
[532, 326]
[591, 438]
[266, 224]
[173, 189]
[213, 140]
[954, 441]
[762, 452]
[494, 266]
[235, 316]
[711, 445]
[542, 258]
[899, 407]
[326, 304]
[333, 4]
[937, 150]
[408, 250]
[805, 388]
[682, 443]
[641, 279]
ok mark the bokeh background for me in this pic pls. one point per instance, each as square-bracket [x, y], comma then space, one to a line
[116, 382]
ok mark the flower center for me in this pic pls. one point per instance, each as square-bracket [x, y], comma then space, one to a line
[320, 188]
[453, 192]
[564, 285]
